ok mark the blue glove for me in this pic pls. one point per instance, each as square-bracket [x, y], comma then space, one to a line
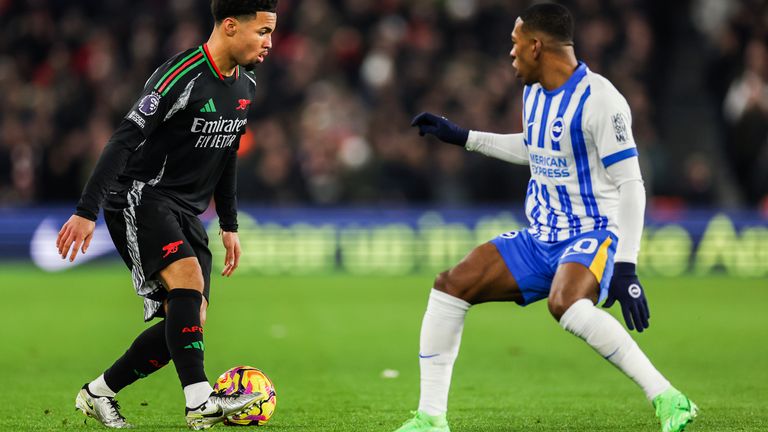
[440, 127]
[625, 287]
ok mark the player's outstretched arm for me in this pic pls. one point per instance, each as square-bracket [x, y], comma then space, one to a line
[77, 231]
[509, 148]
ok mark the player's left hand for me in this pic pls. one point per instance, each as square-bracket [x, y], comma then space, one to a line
[625, 287]
[232, 257]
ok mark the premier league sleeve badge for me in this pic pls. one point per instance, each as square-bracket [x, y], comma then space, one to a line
[148, 104]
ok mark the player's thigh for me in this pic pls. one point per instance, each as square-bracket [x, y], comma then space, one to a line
[165, 251]
[572, 282]
[584, 271]
[184, 273]
[150, 239]
[195, 232]
[197, 239]
[482, 276]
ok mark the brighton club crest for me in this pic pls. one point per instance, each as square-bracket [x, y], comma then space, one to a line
[556, 129]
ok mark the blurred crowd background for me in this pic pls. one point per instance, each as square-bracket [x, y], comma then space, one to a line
[336, 95]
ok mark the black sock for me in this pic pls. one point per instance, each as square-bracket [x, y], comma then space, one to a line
[184, 335]
[148, 353]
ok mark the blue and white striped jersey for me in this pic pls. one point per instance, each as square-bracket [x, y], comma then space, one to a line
[573, 134]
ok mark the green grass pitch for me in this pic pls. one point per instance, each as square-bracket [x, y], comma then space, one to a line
[325, 341]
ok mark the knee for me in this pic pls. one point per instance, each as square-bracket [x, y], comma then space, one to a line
[194, 273]
[446, 283]
[196, 284]
[559, 302]
[557, 308]
[193, 281]
[203, 312]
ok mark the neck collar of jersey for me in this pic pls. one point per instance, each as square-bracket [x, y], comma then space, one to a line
[212, 65]
[573, 81]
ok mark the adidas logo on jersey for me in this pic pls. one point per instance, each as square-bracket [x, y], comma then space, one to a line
[209, 107]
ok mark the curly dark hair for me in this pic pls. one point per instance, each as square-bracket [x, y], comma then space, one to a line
[234, 8]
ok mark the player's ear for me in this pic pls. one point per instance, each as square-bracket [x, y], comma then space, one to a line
[537, 47]
[229, 25]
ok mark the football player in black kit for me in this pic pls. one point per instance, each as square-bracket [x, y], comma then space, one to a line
[175, 149]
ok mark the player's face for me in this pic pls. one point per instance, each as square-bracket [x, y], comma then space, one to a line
[522, 54]
[253, 38]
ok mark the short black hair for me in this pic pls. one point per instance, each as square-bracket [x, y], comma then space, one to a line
[234, 8]
[550, 18]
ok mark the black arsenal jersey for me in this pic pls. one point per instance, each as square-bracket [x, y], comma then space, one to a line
[178, 144]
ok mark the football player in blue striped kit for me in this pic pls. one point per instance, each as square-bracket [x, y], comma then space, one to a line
[585, 203]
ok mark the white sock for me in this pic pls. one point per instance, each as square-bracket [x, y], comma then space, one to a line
[439, 347]
[99, 387]
[197, 393]
[606, 335]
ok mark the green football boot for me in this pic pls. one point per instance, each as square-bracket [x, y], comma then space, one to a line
[423, 422]
[674, 410]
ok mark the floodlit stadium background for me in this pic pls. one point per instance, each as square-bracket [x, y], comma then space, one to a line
[329, 133]
[347, 214]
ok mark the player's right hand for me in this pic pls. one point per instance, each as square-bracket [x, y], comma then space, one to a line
[440, 127]
[78, 231]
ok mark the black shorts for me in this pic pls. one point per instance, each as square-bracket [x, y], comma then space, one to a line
[151, 236]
